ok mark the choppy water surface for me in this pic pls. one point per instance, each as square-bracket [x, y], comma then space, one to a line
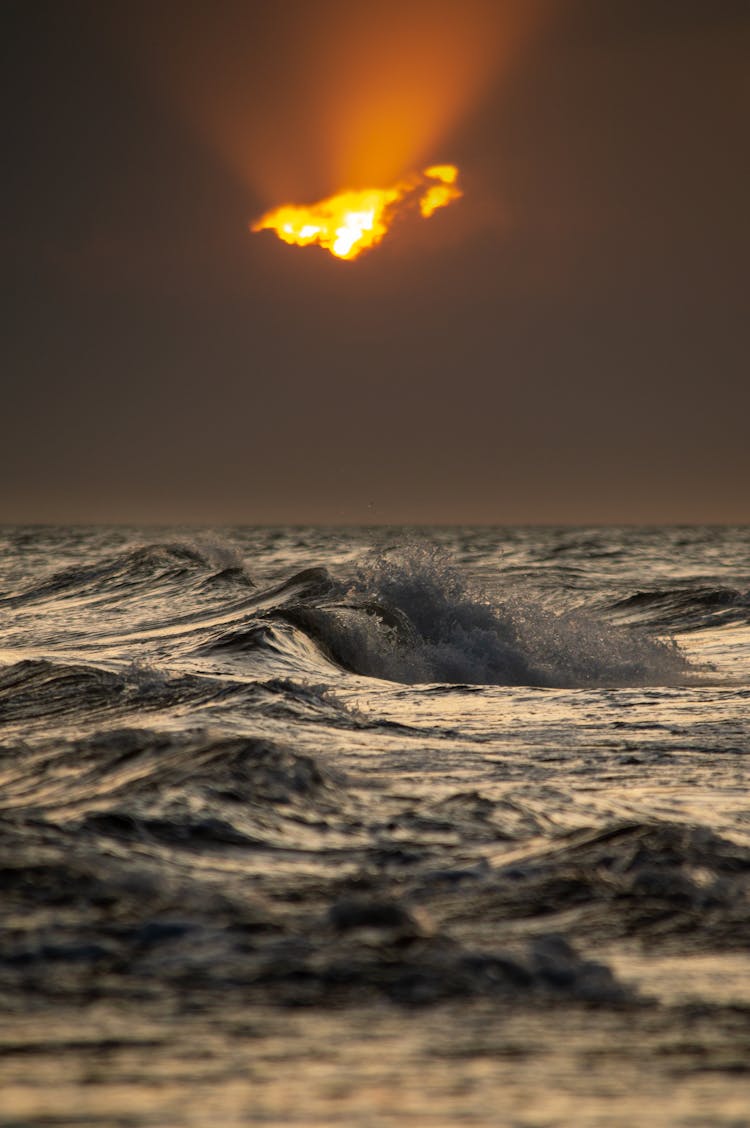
[368, 827]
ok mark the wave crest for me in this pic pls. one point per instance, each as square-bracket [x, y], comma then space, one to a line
[424, 622]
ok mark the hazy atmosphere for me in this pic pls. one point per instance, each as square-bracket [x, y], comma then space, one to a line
[375, 564]
[567, 343]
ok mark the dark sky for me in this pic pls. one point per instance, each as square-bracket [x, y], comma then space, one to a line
[569, 343]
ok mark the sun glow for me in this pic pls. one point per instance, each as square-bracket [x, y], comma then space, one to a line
[351, 222]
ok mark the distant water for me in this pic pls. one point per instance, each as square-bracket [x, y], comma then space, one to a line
[374, 827]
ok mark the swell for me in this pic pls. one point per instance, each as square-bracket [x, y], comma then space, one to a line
[665, 884]
[197, 789]
[136, 567]
[39, 690]
[83, 914]
[35, 694]
[697, 607]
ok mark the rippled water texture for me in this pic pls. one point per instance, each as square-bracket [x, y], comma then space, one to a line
[374, 827]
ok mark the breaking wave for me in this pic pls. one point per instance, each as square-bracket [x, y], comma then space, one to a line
[411, 617]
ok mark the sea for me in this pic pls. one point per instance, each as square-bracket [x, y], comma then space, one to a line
[374, 826]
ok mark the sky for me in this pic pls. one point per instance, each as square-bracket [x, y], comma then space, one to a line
[566, 344]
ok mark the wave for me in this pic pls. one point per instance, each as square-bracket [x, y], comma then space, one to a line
[137, 568]
[37, 690]
[686, 608]
[125, 918]
[196, 787]
[657, 881]
[411, 617]
[35, 693]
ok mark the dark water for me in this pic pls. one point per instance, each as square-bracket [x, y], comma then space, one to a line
[368, 827]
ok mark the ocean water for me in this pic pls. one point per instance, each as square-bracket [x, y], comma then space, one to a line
[441, 827]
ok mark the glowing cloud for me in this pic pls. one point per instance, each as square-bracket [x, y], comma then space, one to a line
[352, 222]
